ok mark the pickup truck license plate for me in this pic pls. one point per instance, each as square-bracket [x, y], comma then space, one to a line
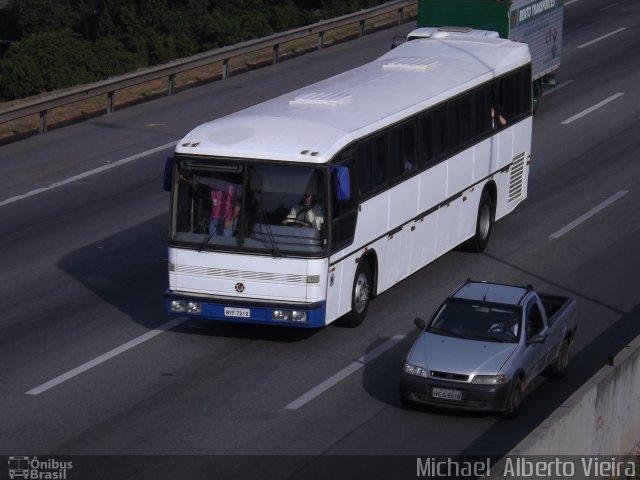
[237, 312]
[446, 394]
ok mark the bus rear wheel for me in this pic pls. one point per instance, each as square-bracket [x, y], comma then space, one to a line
[484, 225]
[360, 295]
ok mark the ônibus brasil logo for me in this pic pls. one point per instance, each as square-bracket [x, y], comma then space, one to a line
[35, 469]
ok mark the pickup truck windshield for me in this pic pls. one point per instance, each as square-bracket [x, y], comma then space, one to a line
[477, 321]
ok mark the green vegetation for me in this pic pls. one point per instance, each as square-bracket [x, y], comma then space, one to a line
[52, 44]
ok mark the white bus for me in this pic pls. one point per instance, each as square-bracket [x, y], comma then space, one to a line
[299, 210]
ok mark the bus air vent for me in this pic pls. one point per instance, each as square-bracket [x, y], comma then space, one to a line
[412, 64]
[516, 178]
[321, 98]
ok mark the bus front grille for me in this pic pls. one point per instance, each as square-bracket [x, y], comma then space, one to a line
[240, 274]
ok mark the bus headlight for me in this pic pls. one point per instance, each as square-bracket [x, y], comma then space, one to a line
[298, 316]
[289, 316]
[194, 308]
[182, 306]
[178, 306]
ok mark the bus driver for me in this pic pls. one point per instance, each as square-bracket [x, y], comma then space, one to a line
[306, 214]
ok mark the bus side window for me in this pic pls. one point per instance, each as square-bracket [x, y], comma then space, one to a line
[459, 122]
[402, 150]
[371, 164]
[482, 111]
[431, 137]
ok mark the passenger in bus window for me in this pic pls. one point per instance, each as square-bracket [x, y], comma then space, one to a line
[307, 214]
[497, 119]
[224, 211]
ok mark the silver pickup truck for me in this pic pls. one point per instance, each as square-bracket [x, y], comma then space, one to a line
[485, 344]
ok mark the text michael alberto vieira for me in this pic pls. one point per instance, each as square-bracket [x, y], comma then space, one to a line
[521, 467]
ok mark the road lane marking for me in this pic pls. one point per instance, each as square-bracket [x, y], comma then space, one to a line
[344, 373]
[592, 108]
[589, 214]
[89, 173]
[570, 2]
[595, 40]
[103, 358]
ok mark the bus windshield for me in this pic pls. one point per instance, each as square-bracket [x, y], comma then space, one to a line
[249, 206]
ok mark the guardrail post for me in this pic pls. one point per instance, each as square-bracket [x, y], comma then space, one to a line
[276, 53]
[400, 16]
[110, 101]
[171, 87]
[225, 68]
[320, 40]
[361, 28]
[43, 121]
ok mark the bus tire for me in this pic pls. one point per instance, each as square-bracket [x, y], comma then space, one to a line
[360, 295]
[484, 225]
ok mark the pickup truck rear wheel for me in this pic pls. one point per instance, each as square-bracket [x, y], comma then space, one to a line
[559, 367]
[513, 401]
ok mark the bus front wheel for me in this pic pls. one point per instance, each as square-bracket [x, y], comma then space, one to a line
[360, 295]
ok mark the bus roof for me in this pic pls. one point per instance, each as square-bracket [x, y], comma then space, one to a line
[313, 123]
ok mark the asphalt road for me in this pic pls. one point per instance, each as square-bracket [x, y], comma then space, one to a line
[83, 226]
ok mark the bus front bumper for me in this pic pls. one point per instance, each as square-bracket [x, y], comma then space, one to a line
[304, 315]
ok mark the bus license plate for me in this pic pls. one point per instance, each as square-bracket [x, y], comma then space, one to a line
[446, 394]
[237, 312]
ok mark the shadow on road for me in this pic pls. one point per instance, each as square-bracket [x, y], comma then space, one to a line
[128, 270]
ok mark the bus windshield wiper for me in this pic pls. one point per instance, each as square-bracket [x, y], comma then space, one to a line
[264, 222]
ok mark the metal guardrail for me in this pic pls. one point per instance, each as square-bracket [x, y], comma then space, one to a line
[171, 69]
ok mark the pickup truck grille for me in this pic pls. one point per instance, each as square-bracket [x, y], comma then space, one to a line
[449, 376]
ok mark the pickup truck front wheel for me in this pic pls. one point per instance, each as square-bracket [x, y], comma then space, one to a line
[513, 401]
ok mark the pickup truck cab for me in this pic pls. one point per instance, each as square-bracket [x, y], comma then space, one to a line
[485, 344]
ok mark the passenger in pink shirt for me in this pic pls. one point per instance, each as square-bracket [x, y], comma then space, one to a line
[224, 211]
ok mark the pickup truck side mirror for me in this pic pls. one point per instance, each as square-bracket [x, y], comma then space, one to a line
[420, 323]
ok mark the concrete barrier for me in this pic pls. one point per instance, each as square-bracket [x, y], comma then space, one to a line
[602, 418]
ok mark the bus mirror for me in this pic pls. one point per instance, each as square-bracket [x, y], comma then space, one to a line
[168, 174]
[342, 183]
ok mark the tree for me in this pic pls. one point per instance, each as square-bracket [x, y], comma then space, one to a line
[44, 62]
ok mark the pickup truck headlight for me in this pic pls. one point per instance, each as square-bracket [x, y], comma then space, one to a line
[490, 379]
[415, 370]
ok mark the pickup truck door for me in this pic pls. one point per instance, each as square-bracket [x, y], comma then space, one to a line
[555, 334]
[535, 353]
